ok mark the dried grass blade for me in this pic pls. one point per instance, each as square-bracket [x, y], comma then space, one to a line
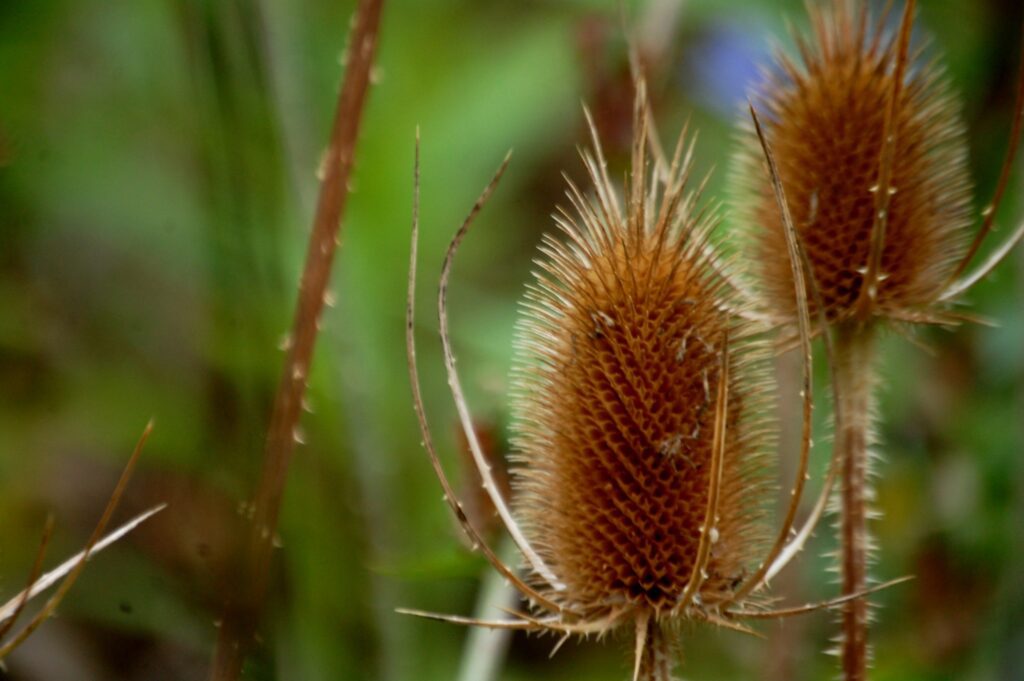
[73, 567]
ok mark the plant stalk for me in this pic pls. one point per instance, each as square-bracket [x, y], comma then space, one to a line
[855, 378]
[656, 657]
[242, 613]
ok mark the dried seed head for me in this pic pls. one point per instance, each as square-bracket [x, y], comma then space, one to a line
[826, 121]
[619, 362]
[641, 425]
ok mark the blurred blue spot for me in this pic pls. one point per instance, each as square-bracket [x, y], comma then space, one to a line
[720, 65]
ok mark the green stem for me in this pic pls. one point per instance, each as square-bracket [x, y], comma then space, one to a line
[485, 649]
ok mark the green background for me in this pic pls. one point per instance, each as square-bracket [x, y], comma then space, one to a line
[157, 181]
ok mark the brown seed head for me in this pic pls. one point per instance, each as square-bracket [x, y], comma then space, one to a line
[619, 364]
[826, 122]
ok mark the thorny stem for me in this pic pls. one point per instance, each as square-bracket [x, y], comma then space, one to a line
[241, 615]
[1004, 174]
[855, 349]
[656, 657]
[883, 188]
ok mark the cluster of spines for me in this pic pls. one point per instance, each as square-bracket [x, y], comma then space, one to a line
[614, 401]
[826, 121]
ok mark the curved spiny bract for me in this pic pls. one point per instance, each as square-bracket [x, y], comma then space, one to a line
[870, 151]
[619, 361]
[826, 121]
[641, 398]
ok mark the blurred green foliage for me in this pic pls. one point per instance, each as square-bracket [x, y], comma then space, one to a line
[157, 178]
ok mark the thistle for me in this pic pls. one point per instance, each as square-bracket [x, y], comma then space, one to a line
[871, 154]
[644, 451]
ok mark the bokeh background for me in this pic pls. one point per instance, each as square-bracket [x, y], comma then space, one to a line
[157, 180]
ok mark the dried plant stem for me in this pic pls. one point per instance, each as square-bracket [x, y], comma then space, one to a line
[855, 349]
[655, 657]
[72, 568]
[17, 605]
[992, 208]
[241, 616]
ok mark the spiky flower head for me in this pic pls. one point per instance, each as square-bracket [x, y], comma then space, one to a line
[642, 471]
[872, 156]
[619, 369]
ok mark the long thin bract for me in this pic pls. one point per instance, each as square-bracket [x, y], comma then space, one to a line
[532, 557]
[428, 441]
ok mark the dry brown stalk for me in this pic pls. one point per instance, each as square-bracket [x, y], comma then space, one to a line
[72, 568]
[855, 352]
[871, 152]
[18, 603]
[241, 615]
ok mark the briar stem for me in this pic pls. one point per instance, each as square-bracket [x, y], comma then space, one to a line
[240, 622]
[855, 358]
[656, 658]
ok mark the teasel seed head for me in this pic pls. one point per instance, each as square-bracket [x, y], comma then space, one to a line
[872, 155]
[618, 370]
[641, 402]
